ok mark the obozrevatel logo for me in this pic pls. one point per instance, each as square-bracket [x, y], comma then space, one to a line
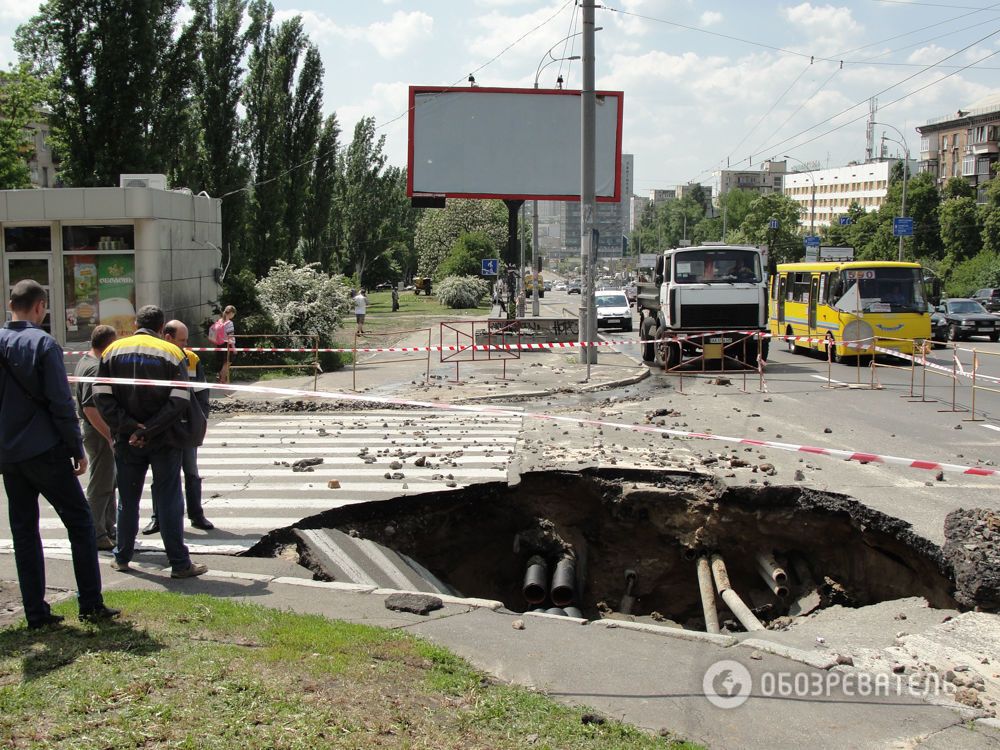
[727, 684]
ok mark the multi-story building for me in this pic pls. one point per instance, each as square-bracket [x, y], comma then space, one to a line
[637, 206]
[766, 180]
[964, 144]
[559, 221]
[837, 188]
[662, 195]
[44, 172]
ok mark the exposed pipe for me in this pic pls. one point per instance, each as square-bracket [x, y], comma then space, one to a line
[536, 578]
[690, 554]
[563, 582]
[573, 612]
[770, 567]
[707, 595]
[774, 575]
[740, 610]
[556, 611]
[628, 600]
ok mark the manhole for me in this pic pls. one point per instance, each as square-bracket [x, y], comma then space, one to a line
[613, 543]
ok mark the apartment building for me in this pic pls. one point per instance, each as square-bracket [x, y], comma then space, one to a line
[964, 144]
[837, 188]
[766, 180]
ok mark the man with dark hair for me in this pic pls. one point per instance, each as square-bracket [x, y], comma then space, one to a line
[177, 333]
[41, 452]
[146, 424]
[97, 441]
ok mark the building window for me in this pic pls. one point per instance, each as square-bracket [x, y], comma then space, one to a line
[102, 237]
[27, 239]
[944, 142]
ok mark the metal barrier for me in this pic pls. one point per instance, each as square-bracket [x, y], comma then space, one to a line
[464, 348]
[503, 342]
[976, 382]
[714, 351]
[502, 328]
[936, 370]
[899, 345]
[390, 334]
[312, 365]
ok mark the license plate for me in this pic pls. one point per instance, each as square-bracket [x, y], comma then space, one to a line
[720, 340]
[612, 320]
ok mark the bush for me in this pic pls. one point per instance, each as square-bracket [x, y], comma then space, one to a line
[466, 255]
[459, 292]
[982, 270]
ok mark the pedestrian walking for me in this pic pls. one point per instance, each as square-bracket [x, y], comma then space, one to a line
[360, 306]
[146, 422]
[222, 333]
[177, 333]
[41, 453]
[97, 441]
[395, 299]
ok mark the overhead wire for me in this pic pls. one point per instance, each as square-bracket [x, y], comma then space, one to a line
[569, 35]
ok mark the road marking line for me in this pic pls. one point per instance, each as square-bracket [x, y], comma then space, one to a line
[992, 427]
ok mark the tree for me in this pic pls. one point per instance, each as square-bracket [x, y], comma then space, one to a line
[957, 187]
[218, 87]
[783, 243]
[318, 240]
[439, 229]
[119, 83]
[21, 95]
[303, 299]
[466, 255]
[961, 235]
[303, 127]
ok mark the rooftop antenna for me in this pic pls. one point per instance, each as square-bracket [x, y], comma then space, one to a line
[870, 130]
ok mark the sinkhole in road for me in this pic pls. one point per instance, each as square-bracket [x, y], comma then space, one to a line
[601, 542]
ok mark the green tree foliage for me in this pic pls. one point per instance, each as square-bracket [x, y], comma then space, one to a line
[783, 243]
[119, 78]
[961, 235]
[439, 229]
[466, 255]
[664, 225]
[460, 292]
[303, 299]
[982, 270]
[957, 187]
[318, 233]
[21, 95]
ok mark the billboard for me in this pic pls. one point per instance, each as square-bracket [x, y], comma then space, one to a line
[515, 144]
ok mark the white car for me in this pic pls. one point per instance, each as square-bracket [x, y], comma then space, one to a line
[613, 310]
[560, 286]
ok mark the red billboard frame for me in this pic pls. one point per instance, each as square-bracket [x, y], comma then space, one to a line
[414, 90]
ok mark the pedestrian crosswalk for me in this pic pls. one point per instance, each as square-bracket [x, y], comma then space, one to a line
[252, 486]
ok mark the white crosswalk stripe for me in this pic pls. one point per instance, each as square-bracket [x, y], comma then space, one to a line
[249, 487]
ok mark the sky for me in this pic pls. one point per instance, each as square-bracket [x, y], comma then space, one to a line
[706, 82]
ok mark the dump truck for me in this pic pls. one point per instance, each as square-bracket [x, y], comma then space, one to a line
[707, 288]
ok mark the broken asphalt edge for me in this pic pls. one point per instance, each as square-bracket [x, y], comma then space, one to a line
[619, 383]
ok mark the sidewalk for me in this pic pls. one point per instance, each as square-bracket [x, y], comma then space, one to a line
[649, 678]
[456, 377]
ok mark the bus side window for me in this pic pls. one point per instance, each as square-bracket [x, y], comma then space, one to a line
[822, 288]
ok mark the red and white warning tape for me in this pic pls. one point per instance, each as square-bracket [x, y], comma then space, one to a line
[849, 455]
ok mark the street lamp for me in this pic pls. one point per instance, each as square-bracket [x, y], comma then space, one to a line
[906, 167]
[812, 211]
[541, 67]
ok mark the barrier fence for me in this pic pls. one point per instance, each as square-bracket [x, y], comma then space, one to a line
[390, 334]
[312, 364]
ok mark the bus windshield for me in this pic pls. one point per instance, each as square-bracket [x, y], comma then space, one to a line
[722, 266]
[884, 289]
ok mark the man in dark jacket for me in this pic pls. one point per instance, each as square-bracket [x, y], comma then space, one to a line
[146, 423]
[177, 333]
[42, 453]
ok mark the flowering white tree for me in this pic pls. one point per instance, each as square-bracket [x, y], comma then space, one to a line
[304, 299]
[462, 291]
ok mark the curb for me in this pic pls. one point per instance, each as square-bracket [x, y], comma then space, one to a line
[819, 661]
[685, 635]
[560, 618]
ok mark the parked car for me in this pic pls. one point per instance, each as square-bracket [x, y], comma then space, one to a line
[560, 286]
[384, 286]
[988, 298]
[573, 287]
[613, 310]
[963, 318]
[939, 325]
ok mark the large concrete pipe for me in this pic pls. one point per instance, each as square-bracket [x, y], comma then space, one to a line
[627, 603]
[536, 580]
[707, 595]
[740, 610]
[563, 589]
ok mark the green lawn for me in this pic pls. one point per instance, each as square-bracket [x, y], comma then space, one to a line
[412, 304]
[195, 671]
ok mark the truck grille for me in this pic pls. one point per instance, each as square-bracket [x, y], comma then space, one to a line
[720, 316]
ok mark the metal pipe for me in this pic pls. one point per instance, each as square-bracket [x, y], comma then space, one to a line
[707, 595]
[563, 587]
[740, 610]
[556, 611]
[628, 600]
[573, 612]
[770, 566]
[536, 578]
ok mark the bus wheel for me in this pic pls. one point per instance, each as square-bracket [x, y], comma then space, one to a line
[647, 331]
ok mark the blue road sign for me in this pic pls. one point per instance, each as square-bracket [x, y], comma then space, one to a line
[902, 226]
[491, 267]
[812, 241]
[845, 220]
[772, 224]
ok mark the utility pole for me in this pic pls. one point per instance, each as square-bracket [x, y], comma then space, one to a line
[588, 200]
[534, 252]
[520, 297]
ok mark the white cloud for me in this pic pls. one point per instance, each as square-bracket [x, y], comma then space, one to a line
[17, 11]
[822, 18]
[710, 18]
[390, 38]
[384, 102]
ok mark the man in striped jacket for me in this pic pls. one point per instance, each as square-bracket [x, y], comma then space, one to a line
[146, 424]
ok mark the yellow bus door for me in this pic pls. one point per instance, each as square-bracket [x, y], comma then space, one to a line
[813, 299]
[782, 281]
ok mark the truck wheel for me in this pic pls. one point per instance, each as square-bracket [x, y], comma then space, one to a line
[671, 352]
[647, 331]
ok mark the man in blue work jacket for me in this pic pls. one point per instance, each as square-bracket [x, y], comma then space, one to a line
[41, 452]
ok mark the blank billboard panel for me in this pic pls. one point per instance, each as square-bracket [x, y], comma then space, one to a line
[509, 143]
